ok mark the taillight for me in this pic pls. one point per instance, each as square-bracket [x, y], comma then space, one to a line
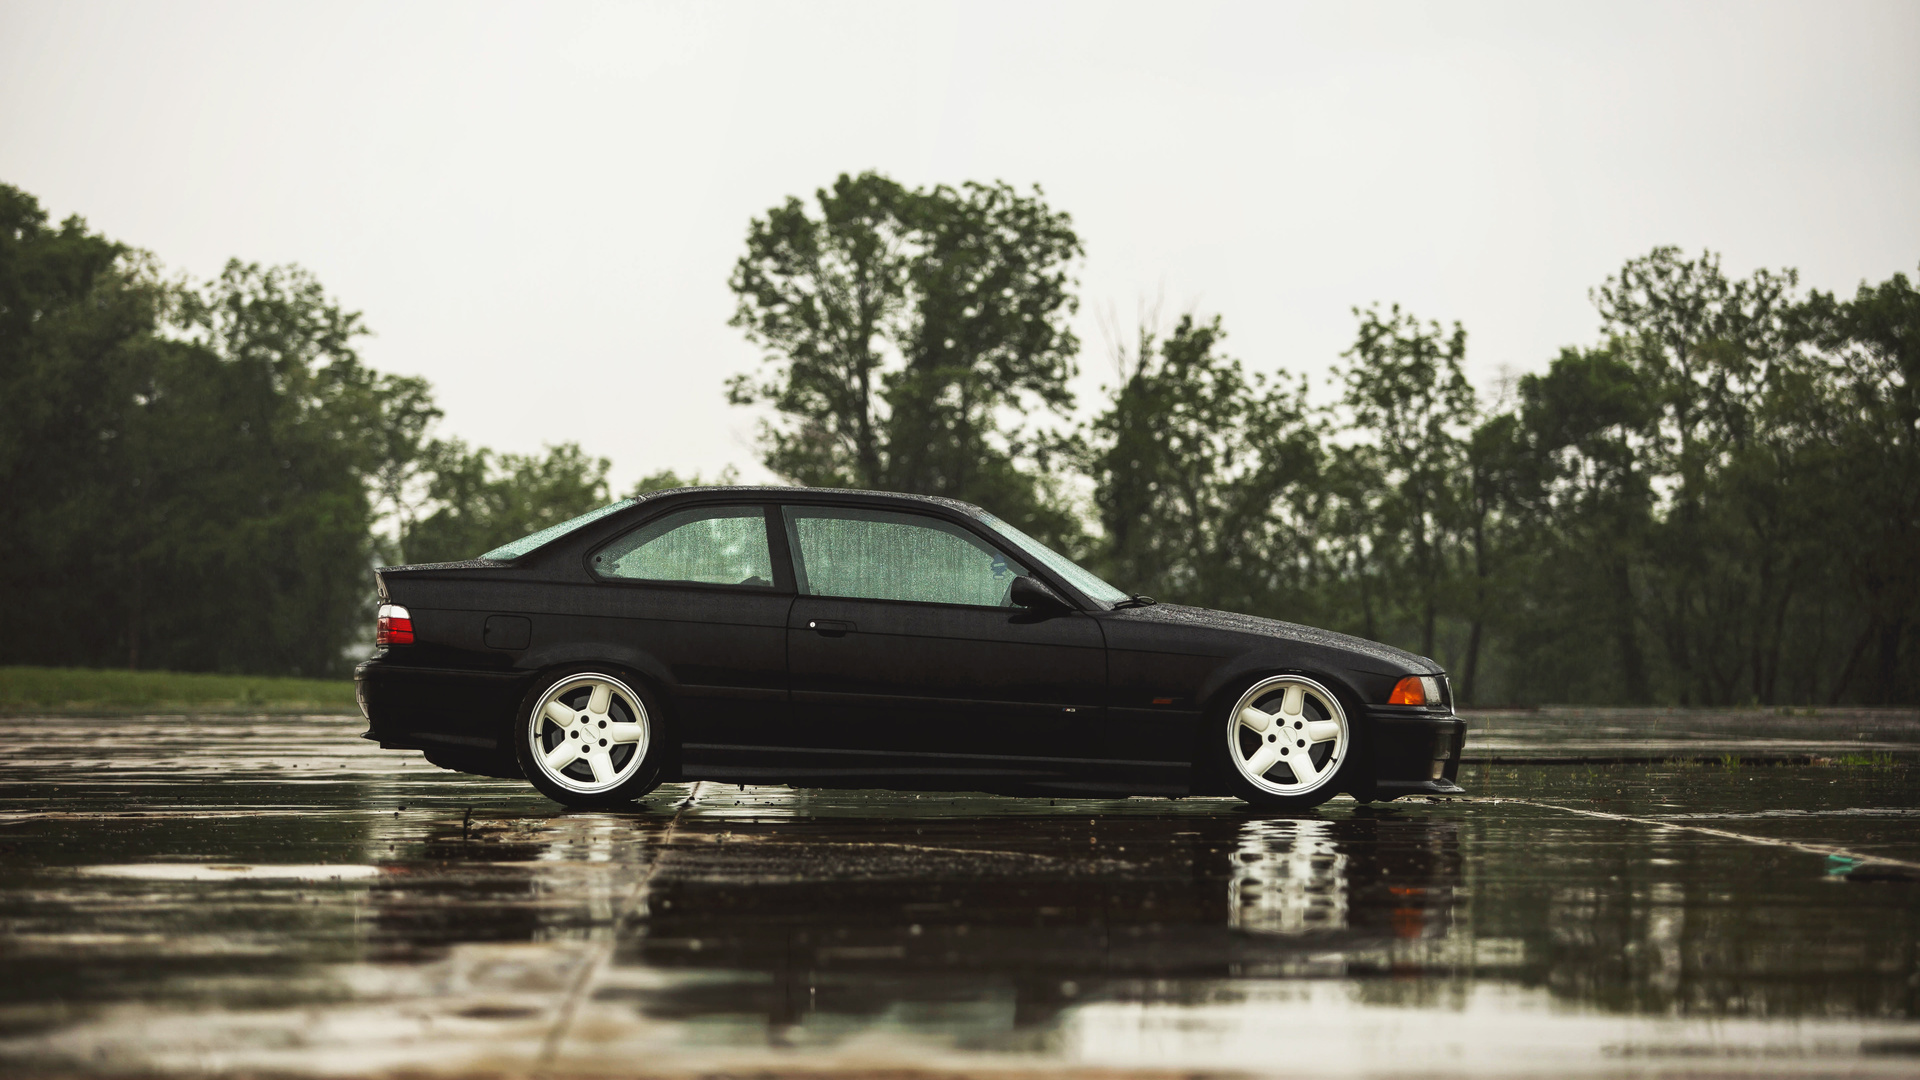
[1416, 690]
[394, 626]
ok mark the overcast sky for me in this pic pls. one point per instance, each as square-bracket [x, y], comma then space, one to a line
[537, 206]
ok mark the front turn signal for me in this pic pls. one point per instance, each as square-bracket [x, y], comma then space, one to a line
[1416, 690]
[1408, 691]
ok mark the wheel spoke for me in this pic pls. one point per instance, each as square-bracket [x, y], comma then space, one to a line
[1292, 702]
[601, 765]
[562, 755]
[1319, 731]
[1256, 720]
[1263, 759]
[1304, 770]
[625, 733]
[602, 697]
[559, 714]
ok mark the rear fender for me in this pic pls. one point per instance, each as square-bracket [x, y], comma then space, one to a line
[632, 661]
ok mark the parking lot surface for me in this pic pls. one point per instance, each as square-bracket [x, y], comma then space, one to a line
[1622, 893]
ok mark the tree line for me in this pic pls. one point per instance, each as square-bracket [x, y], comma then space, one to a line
[1714, 501]
[199, 475]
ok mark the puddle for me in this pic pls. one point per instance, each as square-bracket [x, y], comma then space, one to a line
[1587, 925]
[228, 872]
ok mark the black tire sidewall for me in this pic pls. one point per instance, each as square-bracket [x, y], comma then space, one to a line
[1352, 772]
[645, 778]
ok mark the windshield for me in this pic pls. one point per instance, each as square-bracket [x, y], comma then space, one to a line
[1083, 580]
[553, 532]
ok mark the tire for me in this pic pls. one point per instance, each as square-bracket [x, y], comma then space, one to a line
[615, 726]
[1250, 744]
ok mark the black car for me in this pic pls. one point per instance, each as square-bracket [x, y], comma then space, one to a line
[824, 638]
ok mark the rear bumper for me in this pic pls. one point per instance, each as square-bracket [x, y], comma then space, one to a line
[1415, 752]
[422, 708]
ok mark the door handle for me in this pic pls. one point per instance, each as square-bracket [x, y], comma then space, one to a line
[829, 627]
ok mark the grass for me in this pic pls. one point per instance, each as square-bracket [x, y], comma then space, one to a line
[86, 690]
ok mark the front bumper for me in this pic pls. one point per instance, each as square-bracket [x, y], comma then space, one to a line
[1415, 751]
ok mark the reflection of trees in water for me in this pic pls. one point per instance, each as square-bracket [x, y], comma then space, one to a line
[1662, 925]
[786, 918]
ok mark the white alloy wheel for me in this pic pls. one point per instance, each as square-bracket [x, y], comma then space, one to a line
[588, 733]
[1288, 735]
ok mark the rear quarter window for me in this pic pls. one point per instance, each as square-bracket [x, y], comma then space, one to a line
[713, 545]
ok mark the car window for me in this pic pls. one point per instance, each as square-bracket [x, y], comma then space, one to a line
[714, 545]
[1078, 576]
[516, 548]
[881, 555]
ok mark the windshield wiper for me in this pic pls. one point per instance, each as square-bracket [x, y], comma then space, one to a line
[1136, 600]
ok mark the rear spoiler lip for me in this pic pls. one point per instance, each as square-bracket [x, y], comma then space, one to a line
[462, 564]
[380, 572]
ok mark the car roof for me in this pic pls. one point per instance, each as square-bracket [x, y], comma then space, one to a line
[813, 494]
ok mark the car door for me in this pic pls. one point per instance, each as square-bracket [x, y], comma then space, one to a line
[906, 656]
[698, 594]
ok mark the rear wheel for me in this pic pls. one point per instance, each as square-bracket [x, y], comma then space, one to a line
[1288, 743]
[590, 739]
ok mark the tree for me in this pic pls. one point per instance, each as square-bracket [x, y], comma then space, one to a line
[907, 332]
[1869, 365]
[826, 298]
[1407, 395]
[1588, 426]
[1707, 348]
[179, 460]
[1205, 478]
[483, 499]
[76, 315]
[1499, 468]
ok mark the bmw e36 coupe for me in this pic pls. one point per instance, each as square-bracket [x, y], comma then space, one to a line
[824, 638]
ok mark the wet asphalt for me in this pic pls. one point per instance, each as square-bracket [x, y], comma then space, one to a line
[1623, 893]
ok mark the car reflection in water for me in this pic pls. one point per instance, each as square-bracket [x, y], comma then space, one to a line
[975, 927]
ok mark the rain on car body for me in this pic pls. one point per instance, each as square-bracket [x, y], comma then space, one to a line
[825, 638]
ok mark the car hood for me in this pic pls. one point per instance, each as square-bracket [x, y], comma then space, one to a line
[1397, 660]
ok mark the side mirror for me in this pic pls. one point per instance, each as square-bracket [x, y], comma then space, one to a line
[1028, 593]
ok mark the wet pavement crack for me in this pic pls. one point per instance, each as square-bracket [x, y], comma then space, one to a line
[598, 957]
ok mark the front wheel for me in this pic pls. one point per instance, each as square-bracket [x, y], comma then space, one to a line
[1288, 744]
[589, 740]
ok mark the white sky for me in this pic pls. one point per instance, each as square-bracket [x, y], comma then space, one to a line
[537, 206]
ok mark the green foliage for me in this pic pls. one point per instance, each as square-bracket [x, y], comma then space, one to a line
[907, 334]
[1860, 401]
[200, 476]
[176, 459]
[1717, 504]
[667, 479]
[483, 499]
[1408, 397]
[1207, 479]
